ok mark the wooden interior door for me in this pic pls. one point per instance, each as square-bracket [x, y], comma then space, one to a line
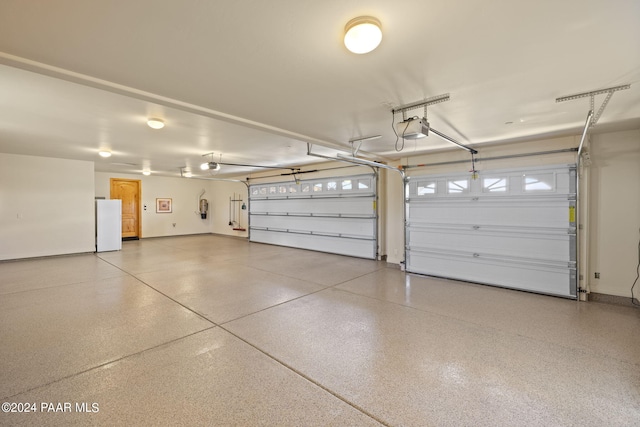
[128, 190]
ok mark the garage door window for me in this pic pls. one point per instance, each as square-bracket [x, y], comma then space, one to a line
[364, 184]
[539, 182]
[426, 187]
[494, 185]
[458, 186]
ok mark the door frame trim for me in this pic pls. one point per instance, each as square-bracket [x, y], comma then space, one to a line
[139, 200]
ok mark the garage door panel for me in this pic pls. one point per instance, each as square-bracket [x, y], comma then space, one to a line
[534, 278]
[362, 248]
[551, 247]
[362, 227]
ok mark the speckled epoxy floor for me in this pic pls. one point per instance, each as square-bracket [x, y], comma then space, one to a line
[208, 330]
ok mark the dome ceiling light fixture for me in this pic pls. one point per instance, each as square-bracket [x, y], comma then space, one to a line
[362, 34]
[155, 123]
[104, 153]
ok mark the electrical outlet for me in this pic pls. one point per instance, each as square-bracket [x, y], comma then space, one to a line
[597, 275]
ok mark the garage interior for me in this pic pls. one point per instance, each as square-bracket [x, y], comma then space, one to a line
[442, 231]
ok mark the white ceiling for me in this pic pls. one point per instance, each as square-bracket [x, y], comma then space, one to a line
[254, 81]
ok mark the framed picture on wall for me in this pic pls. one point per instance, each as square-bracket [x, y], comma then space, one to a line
[163, 205]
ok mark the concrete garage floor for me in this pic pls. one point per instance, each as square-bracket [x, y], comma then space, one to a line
[209, 330]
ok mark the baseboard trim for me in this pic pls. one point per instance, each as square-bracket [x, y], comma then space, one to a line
[394, 266]
[611, 299]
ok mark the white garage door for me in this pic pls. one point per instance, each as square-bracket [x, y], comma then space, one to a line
[336, 215]
[510, 228]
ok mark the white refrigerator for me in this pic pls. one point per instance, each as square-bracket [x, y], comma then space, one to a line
[108, 225]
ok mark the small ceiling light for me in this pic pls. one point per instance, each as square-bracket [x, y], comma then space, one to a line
[146, 173]
[104, 153]
[362, 34]
[188, 174]
[155, 123]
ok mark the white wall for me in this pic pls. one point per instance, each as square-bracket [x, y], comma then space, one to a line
[184, 194]
[46, 206]
[394, 218]
[223, 191]
[614, 222]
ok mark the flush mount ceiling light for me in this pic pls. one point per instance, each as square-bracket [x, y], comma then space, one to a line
[155, 123]
[146, 173]
[104, 153]
[362, 34]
